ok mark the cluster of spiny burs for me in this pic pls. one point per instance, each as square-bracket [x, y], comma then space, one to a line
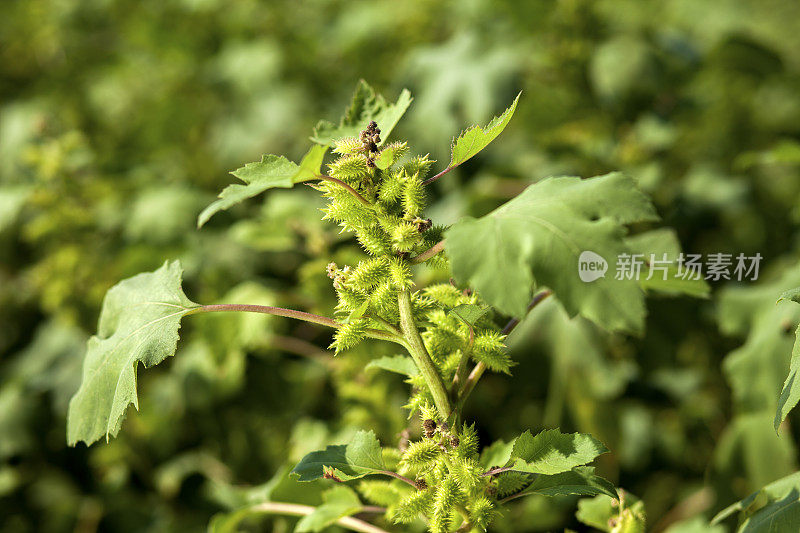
[387, 218]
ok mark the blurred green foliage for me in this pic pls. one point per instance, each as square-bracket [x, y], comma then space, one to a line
[120, 119]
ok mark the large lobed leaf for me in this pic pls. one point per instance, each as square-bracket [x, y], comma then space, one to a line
[366, 105]
[361, 457]
[476, 138]
[536, 239]
[271, 172]
[138, 323]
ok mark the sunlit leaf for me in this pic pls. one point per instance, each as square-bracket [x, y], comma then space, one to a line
[476, 138]
[536, 239]
[359, 458]
[366, 105]
[271, 172]
[139, 323]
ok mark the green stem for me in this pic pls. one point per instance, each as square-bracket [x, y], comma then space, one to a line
[415, 347]
[461, 370]
[290, 313]
[480, 368]
[293, 509]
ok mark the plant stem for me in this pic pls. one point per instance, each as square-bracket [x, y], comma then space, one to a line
[480, 368]
[290, 313]
[401, 478]
[461, 370]
[437, 176]
[536, 301]
[293, 509]
[349, 189]
[427, 254]
[415, 347]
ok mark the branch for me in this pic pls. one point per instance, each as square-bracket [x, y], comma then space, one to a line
[437, 176]
[415, 347]
[401, 478]
[351, 190]
[290, 313]
[536, 301]
[427, 254]
[480, 368]
[293, 509]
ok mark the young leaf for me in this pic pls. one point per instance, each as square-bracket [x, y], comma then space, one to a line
[475, 139]
[469, 313]
[536, 240]
[271, 172]
[580, 481]
[340, 501]
[399, 364]
[366, 105]
[552, 452]
[139, 323]
[361, 457]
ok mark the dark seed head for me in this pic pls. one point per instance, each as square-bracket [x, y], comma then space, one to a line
[428, 428]
[421, 484]
[454, 442]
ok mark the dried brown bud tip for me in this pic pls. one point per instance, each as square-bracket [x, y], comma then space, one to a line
[428, 428]
[454, 441]
[423, 224]
[328, 474]
[331, 270]
[421, 484]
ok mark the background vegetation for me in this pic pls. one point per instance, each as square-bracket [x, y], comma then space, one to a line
[120, 119]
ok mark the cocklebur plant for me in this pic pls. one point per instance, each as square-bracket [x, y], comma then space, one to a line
[501, 265]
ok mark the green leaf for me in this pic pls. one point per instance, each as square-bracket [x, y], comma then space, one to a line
[597, 512]
[552, 452]
[781, 515]
[658, 244]
[536, 240]
[772, 492]
[361, 457]
[138, 323]
[399, 364]
[790, 392]
[475, 139]
[271, 172]
[470, 313]
[496, 454]
[340, 501]
[580, 481]
[389, 155]
[791, 294]
[366, 105]
[615, 515]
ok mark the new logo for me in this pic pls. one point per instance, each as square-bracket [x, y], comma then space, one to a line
[591, 266]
